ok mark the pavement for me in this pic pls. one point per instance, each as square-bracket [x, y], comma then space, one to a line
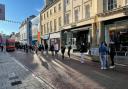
[13, 75]
[71, 74]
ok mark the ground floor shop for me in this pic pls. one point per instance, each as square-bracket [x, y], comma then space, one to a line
[55, 38]
[76, 36]
[116, 30]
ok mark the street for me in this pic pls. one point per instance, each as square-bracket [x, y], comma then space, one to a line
[71, 74]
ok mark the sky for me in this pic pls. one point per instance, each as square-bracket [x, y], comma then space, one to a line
[18, 10]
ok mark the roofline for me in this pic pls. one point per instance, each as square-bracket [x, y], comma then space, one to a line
[48, 6]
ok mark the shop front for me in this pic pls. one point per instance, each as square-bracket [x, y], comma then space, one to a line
[55, 38]
[45, 39]
[76, 36]
[117, 32]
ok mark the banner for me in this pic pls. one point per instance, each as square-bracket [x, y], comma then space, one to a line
[2, 12]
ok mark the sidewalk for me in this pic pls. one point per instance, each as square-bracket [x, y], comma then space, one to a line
[14, 75]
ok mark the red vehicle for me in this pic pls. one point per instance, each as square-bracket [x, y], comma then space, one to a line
[10, 45]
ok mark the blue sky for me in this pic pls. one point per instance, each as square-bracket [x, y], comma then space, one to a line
[18, 10]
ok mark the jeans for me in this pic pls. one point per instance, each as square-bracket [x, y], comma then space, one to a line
[82, 58]
[103, 61]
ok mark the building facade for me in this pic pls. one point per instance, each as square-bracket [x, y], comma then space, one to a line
[25, 31]
[86, 21]
[51, 22]
[2, 12]
[35, 30]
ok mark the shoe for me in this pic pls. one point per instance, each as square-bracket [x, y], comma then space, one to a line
[102, 68]
[111, 67]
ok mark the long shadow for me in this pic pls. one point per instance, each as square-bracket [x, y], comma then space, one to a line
[105, 78]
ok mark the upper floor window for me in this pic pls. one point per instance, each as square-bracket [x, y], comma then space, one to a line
[55, 9]
[47, 14]
[67, 1]
[44, 29]
[54, 24]
[111, 4]
[51, 12]
[59, 21]
[44, 16]
[87, 11]
[47, 27]
[76, 14]
[126, 1]
[67, 18]
[50, 26]
[59, 7]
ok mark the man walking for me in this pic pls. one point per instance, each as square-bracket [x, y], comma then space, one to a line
[63, 51]
[56, 47]
[69, 49]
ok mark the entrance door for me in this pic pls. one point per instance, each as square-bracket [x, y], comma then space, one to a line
[74, 43]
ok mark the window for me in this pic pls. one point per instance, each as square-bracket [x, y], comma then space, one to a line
[59, 21]
[50, 12]
[76, 14]
[87, 11]
[126, 1]
[47, 27]
[54, 9]
[111, 4]
[67, 1]
[44, 16]
[67, 18]
[44, 29]
[54, 24]
[47, 15]
[59, 7]
[50, 26]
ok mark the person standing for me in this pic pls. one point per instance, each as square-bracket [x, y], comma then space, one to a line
[112, 54]
[52, 49]
[69, 49]
[107, 54]
[63, 51]
[82, 50]
[2, 48]
[102, 54]
[56, 47]
[46, 48]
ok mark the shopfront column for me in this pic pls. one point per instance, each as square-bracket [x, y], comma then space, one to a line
[93, 36]
[101, 33]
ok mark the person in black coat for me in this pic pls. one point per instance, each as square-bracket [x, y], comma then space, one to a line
[63, 51]
[69, 49]
[52, 49]
[112, 54]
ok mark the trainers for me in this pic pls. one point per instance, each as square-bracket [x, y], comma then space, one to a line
[102, 68]
[112, 67]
